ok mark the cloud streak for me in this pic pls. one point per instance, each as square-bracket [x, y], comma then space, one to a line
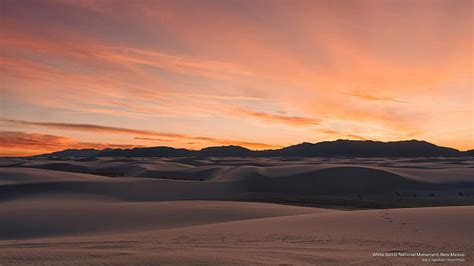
[91, 128]
[15, 143]
[371, 97]
[278, 118]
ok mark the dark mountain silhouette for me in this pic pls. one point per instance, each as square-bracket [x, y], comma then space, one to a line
[74, 153]
[338, 148]
[469, 153]
[226, 151]
[368, 148]
[147, 152]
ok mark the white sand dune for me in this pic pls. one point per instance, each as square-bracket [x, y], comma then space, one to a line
[234, 183]
[85, 216]
[126, 189]
[13, 175]
[311, 182]
[323, 237]
[189, 210]
[326, 180]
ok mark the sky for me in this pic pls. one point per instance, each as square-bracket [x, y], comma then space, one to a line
[259, 74]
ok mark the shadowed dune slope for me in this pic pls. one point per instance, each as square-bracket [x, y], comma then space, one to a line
[340, 180]
[15, 175]
[63, 216]
[126, 189]
[333, 180]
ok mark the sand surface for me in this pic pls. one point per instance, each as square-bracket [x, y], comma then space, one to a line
[319, 237]
[222, 210]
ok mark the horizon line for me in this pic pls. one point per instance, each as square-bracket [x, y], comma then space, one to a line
[254, 150]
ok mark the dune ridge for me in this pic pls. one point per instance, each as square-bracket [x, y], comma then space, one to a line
[226, 182]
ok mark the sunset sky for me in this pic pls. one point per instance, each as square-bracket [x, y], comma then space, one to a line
[260, 74]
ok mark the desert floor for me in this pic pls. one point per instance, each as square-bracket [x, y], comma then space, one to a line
[236, 211]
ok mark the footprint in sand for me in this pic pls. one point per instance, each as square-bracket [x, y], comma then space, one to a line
[386, 216]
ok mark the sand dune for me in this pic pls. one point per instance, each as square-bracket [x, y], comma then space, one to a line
[15, 175]
[311, 182]
[230, 183]
[127, 189]
[323, 237]
[341, 180]
[62, 216]
[205, 210]
[190, 168]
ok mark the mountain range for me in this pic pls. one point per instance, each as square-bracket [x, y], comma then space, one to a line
[338, 148]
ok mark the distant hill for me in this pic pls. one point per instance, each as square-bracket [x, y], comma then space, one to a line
[73, 153]
[226, 151]
[146, 152]
[338, 148]
[368, 148]
[469, 153]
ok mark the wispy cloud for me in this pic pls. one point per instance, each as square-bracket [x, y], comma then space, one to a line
[16, 143]
[128, 131]
[153, 139]
[373, 97]
[277, 118]
[341, 134]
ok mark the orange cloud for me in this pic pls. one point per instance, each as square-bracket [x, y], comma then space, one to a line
[118, 130]
[25, 144]
[153, 139]
[344, 135]
[371, 97]
[277, 118]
